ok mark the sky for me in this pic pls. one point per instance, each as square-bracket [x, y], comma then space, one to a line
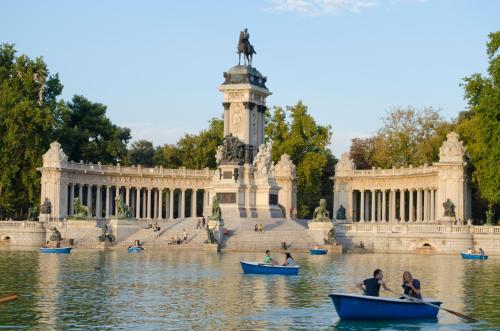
[157, 65]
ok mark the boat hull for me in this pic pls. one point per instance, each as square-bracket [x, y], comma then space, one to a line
[266, 269]
[468, 256]
[359, 307]
[60, 250]
[135, 249]
[318, 251]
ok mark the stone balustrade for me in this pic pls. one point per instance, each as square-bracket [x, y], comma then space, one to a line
[416, 228]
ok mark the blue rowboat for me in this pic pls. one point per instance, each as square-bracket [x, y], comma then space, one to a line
[268, 269]
[63, 250]
[135, 249]
[364, 307]
[470, 256]
[318, 251]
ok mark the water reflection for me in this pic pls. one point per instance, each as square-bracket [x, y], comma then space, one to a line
[203, 290]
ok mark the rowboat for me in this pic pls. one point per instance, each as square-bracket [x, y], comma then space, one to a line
[63, 250]
[364, 307]
[135, 249]
[470, 256]
[268, 269]
[318, 251]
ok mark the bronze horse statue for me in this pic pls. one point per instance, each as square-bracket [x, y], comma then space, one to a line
[245, 47]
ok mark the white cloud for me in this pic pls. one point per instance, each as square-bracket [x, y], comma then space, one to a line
[326, 7]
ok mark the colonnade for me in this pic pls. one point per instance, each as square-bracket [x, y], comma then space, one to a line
[393, 205]
[145, 202]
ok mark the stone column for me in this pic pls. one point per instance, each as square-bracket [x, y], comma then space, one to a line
[145, 204]
[137, 202]
[432, 213]
[117, 194]
[349, 207]
[372, 214]
[393, 205]
[402, 217]
[98, 202]
[419, 205]
[71, 197]
[411, 212]
[80, 193]
[148, 206]
[193, 203]
[362, 207]
[171, 207]
[183, 203]
[107, 201]
[155, 204]
[160, 204]
[426, 205]
[204, 204]
[127, 196]
[89, 196]
[384, 206]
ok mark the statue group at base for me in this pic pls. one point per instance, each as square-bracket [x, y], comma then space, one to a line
[106, 235]
[215, 226]
[321, 214]
[123, 211]
[80, 211]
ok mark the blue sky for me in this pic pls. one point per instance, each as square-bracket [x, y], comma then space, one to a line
[157, 64]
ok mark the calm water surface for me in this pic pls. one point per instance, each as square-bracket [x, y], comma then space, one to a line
[94, 290]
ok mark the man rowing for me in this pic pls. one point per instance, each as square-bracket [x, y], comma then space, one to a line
[371, 286]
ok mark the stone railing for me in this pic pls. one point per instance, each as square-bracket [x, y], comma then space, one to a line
[139, 171]
[20, 224]
[423, 170]
[416, 228]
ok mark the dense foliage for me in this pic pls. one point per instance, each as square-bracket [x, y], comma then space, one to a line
[479, 127]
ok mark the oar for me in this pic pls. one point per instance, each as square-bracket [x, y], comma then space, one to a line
[469, 318]
[8, 297]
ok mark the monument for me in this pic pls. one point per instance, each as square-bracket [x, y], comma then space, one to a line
[245, 183]
[321, 225]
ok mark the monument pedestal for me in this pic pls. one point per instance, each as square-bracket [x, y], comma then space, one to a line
[211, 247]
[104, 245]
[447, 220]
[319, 231]
[123, 228]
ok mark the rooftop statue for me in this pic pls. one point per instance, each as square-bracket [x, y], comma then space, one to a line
[340, 213]
[245, 47]
[46, 207]
[449, 208]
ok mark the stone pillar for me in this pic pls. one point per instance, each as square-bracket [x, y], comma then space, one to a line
[160, 204]
[183, 203]
[204, 204]
[155, 204]
[384, 206]
[411, 212]
[433, 207]
[80, 193]
[362, 207]
[89, 196]
[426, 205]
[137, 202]
[127, 196]
[372, 214]
[71, 197]
[117, 194]
[98, 202]
[419, 205]
[144, 204]
[171, 207]
[148, 206]
[107, 201]
[193, 203]
[393, 205]
[402, 217]
[349, 207]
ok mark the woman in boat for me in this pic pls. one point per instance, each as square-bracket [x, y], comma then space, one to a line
[47, 244]
[411, 286]
[289, 261]
[371, 286]
[481, 252]
[268, 259]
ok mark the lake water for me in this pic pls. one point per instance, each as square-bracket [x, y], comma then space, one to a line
[97, 290]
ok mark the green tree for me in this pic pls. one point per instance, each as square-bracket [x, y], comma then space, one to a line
[479, 127]
[193, 151]
[295, 132]
[141, 152]
[29, 112]
[87, 134]
[361, 152]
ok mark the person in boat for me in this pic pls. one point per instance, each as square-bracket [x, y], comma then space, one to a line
[58, 244]
[289, 261]
[47, 244]
[411, 286]
[469, 251]
[316, 247]
[481, 252]
[268, 259]
[371, 286]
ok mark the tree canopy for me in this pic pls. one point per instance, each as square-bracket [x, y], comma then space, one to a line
[141, 152]
[479, 127]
